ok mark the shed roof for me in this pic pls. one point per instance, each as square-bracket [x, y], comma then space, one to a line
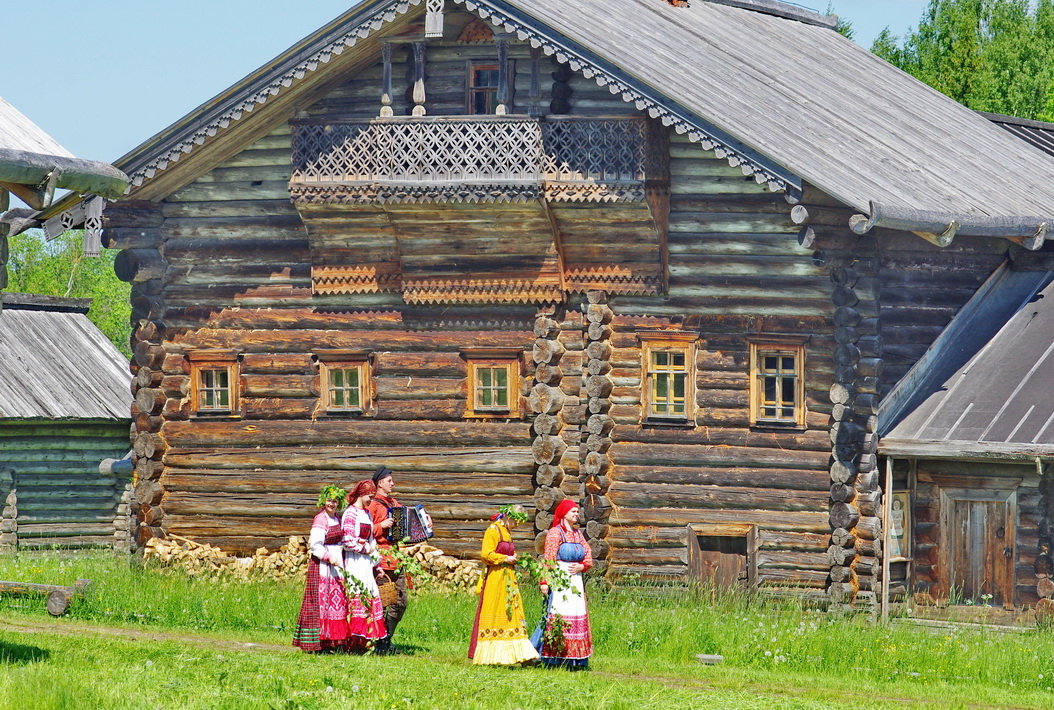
[985, 385]
[55, 364]
[771, 87]
[1038, 133]
[28, 156]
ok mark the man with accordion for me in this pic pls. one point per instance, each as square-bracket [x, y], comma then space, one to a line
[391, 524]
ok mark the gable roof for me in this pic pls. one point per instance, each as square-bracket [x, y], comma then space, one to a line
[785, 97]
[984, 387]
[55, 364]
[28, 156]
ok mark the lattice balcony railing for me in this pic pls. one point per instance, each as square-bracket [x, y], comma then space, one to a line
[473, 157]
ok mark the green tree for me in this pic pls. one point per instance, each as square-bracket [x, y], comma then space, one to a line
[991, 55]
[59, 268]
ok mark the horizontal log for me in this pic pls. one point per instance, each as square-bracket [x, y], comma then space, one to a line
[714, 456]
[645, 495]
[347, 433]
[355, 458]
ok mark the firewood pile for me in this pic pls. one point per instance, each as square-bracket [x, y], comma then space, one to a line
[290, 561]
[446, 571]
[198, 559]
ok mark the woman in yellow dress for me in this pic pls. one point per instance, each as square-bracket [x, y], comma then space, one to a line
[499, 634]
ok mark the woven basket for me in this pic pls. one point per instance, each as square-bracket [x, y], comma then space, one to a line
[389, 592]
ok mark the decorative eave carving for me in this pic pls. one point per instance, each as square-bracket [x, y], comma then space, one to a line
[481, 291]
[360, 278]
[615, 280]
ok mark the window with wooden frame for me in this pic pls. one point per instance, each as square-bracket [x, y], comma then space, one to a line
[345, 382]
[494, 376]
[214, 378]
[482, 88]
[777, 381]
[668, 376]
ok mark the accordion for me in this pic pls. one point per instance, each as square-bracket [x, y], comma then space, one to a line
[411, 523]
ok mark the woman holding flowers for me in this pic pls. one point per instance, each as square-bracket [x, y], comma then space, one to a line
[499, 633]
[565, 638]
[365, 613]
[323, 625]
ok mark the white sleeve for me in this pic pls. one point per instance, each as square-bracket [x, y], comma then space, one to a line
[317, 542]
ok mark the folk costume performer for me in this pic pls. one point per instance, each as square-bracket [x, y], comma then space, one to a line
[499, 633]
[565, 637]
[361, 560]
[323, 625]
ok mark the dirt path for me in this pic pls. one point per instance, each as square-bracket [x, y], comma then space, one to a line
[66, 627]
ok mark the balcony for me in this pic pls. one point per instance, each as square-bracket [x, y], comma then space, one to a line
[477, 159]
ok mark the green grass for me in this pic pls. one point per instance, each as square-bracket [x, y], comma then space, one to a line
[646, 641]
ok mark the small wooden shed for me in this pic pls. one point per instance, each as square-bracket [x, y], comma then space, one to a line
[64, 403]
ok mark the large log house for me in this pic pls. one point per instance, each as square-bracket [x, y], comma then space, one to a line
[662, 259]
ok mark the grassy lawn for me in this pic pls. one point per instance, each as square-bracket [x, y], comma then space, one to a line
[145, 638]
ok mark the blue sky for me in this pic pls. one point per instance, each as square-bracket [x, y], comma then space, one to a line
[101, 77]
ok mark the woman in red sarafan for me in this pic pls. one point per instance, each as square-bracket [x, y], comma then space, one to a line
[361, 560]
[564, 636]
[323, 621]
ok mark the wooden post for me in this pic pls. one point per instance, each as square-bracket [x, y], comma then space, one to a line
[419, 79]
[536, 85]
[503, 77]
[386, 91]
[885, 537]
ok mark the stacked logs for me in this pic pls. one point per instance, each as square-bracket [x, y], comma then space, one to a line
[125, 522]
[9, 522]
[546, 402]
[134, 227]
[596, 432]
[855, 552]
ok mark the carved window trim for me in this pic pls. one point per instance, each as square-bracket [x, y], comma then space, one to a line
[482, 361]
[761, 410]
[471, 89]
[216, 373]
[334, 362]
[654, 345]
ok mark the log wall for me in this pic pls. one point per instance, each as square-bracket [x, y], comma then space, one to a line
[53, 466]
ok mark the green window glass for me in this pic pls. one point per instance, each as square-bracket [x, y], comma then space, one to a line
[214, 389]
[492, 388]
[345, 388]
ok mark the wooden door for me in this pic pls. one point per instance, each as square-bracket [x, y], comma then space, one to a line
[979, 543]
[722, 555]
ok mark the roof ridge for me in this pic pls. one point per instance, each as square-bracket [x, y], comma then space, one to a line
[786, 10]
[43, 302]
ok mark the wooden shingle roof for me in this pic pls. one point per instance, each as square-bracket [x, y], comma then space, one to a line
[55, 364]
[771, 87]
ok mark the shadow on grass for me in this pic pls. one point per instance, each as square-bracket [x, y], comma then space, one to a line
[15, 654]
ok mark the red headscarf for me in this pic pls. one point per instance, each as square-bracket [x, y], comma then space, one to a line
[362, 488]
[561, 510]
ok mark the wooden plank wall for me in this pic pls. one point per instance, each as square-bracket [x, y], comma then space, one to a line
[735, 269]
[62, 497]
